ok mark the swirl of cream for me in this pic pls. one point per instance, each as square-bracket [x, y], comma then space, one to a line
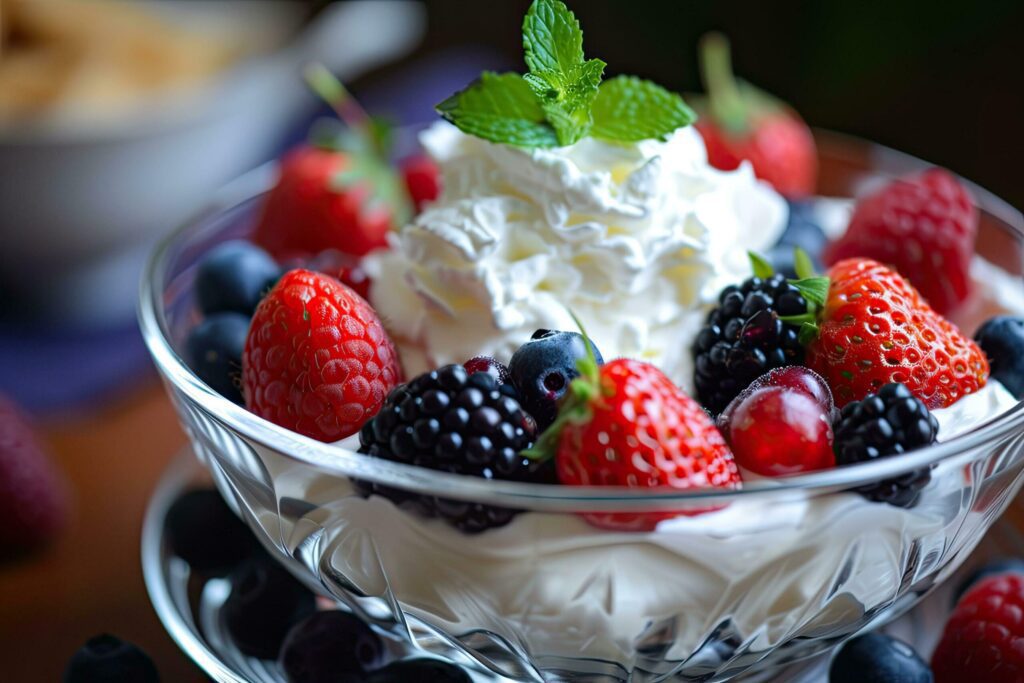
[634, 239]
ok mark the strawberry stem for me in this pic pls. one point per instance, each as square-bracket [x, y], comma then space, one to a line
[333, 92]
[726, 102]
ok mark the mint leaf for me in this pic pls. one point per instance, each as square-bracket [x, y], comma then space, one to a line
[500, 108]
[760, 266]
[552, 39]
[628, 109]
[566, 98]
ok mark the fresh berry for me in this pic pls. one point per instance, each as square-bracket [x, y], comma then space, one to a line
[883, 425]
[488, 365]
[33, 494]
[781, 424]
[984, 637]
[317, 359]
[330, 647]
[876, 329]
[264, 603]
[202, 530]
[1006, 565]
[542, 369]
[422, 178]
[924, 227]
[233, 277]
[105, 658]
[452, 421]
[744, 338]
[803, 231]
[346, 268]
[214, 350]
[626, 424]
[877, 658]
[1002, 340]
[419, 671]
[741, 123]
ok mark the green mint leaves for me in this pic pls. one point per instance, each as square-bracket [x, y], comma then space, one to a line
[562, 99]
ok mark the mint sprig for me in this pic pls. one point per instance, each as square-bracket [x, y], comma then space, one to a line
[562, 99]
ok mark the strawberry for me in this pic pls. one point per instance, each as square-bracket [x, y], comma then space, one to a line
[740, 122]
[33, 494]
[923, 226]
[339, 194]
[422, 179]
[317, 359]
[875, 329]
[984, 637]
[626, 424]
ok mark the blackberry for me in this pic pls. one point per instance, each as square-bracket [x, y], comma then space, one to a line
[744, 338]
[454, 421]
[881, 425]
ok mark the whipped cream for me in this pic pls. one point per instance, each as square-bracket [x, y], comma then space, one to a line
[634, 239]
[974, 410]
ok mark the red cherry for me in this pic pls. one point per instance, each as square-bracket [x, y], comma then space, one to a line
[776, 431]
[795, 377]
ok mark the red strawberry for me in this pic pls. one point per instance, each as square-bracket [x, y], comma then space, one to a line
[342, 194]
[923, 226]
[627, 424]
[875, 329]
[984, 637]
[328, 199]
[422, 179]
[33, 494]
[740, 122]
[317, 359]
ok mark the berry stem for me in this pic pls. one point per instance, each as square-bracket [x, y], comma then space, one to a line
[726, 101]
[333, 92]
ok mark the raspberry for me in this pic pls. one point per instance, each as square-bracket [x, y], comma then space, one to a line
[882, 425]
[924, 227]
[452, 421]
[984, 637]
[744, 338]
[317, 359]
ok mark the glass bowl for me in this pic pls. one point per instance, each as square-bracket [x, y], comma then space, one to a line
[783, 570]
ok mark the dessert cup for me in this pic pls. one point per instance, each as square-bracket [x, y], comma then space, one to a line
[782, 570]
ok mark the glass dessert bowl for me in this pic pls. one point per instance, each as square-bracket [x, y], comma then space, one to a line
[780, 570]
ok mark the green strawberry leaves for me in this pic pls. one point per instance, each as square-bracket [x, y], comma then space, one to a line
[562, 98]
[812, 287]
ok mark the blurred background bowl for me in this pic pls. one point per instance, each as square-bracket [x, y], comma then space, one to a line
[84, 197]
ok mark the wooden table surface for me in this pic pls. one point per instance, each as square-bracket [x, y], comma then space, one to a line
[90, 580]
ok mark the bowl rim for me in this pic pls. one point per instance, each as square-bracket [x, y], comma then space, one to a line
[338, 461]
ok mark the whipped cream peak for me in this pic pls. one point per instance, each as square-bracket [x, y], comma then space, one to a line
[635, 239]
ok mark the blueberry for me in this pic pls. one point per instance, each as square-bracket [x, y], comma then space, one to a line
[106, 658]
[419, 671]
[802, 230]
[214, 350]
[1005, 565]
[1002, 340]
[542, 369]
[264, 603]
[234, 276]
[330, 647]
[202, 530]
[877, 658]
